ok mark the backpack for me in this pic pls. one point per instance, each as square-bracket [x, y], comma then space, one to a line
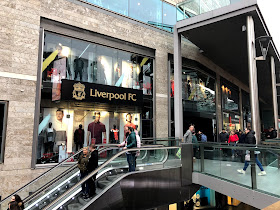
[203, 138]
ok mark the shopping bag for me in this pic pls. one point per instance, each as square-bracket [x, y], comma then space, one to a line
[247, 157]
[178, 154]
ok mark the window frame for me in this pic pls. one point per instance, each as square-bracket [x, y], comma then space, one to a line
[5, 103]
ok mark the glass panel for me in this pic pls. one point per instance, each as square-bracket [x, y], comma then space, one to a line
[231, 122]
[148, 11]
[230, 97]
[196, 7]
[269, 160]
[120, 6]
[169, 16]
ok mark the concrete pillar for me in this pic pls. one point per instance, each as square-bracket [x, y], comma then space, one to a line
[178, 105]
[274, 94]
[219, 114]
[241, 109]
[253, 80]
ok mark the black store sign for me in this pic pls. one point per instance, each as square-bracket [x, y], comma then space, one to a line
[89, 92]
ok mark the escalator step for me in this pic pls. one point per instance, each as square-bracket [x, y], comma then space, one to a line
[103, 183]
[112, 177]
[74, 206]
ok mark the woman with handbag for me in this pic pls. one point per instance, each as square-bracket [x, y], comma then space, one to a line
[250, 139]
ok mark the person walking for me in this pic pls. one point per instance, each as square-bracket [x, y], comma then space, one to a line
[92, 165]
[188, 135]
[83, 166]
[233, 139]
[131, 143]
[251, 139]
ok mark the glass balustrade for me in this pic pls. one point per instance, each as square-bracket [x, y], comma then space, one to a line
[240, 164]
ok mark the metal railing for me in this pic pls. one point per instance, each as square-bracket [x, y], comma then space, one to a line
[55, 204]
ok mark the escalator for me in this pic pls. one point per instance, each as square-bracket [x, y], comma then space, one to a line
[60, 187]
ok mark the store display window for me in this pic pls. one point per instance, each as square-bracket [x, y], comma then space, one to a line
[230, 96]
[90, 94]
[246, 109]
[231, 122]
[198, 98]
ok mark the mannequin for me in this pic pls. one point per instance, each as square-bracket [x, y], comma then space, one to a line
[78, 68]
[61, 128]
[50, 139]
[114, 135]
[95, 130]
[128, 124]
[79, 137]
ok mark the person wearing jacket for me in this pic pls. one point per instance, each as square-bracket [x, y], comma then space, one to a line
[251, 139]
[83, 166]
[272, 133]
[92, 165]
[233, 139]
[223, 136]
[131, 143]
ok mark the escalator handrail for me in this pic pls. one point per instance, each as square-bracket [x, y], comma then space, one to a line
[60, 176]
[102, 149]
[47, 172]
[101, 167]
[43, 174]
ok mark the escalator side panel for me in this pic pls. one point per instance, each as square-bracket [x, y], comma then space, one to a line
[146, 190]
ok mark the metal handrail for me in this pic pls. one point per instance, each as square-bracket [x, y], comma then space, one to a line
[59, 176]
[239, 146]
[71, 169]
[101, 167]
[43, 174]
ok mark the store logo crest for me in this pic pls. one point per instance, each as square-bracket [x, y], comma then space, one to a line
[79, 91]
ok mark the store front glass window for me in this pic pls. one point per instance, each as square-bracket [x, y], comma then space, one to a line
[230, 97]
[89, 94]
[198, 96]
[231, 122]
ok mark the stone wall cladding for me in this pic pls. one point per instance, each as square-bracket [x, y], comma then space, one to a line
[19, 39]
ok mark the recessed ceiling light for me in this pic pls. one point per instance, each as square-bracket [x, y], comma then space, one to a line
[138, 3]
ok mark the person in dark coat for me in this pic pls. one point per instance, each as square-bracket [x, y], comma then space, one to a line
[251, 139]
[92, 165]
[271, 134]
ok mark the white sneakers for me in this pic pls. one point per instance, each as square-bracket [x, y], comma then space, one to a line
[262, 173]
[241, 171]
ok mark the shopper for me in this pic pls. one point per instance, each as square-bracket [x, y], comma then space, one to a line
[19, 201]
[188, 135]
[223, 136]
[131, 143]
[233, 139]
[13, 205]
[83, 166]
[251, 139]
[272, 133]
[92, 165]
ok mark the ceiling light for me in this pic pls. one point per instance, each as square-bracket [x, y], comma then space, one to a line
[138, 3]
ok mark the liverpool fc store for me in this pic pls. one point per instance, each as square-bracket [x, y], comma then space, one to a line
[90, 88]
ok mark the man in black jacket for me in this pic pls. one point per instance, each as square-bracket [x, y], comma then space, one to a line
[223, 136]
[251, 139]
[92, 165]
[272, 133]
